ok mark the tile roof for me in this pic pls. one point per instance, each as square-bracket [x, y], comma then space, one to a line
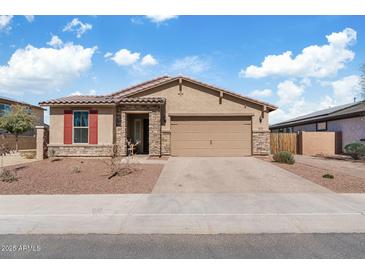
[19, 102]
[119, 96]
[141, 86]
[80, 99]
[165, 79]
[346, 110]
[136, 100]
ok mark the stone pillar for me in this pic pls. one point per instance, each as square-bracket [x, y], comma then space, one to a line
[41, 142]
[121, 135]
[165, 142]
[261, 142]
[155, 133]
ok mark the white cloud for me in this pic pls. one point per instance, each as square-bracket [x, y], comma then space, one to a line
[89, 92]
[261, 93]
[108, 54]
[55, 42]
[137, 20]
[292, 104]
[314, 61]
[160, 18]
[5, 21]
[123, 57]
[300, 107]
[148, 60]
[288, 92]
[296, 108]
[78, 27]
[345, 89]
[326, 102]
[30, 18]
[42, 70]
[193, 64]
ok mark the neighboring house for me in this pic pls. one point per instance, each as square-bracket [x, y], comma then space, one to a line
[175, 116]
[348, 119]
[38, 112]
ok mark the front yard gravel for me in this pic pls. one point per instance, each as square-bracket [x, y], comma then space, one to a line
[79, 176]
[341, 183]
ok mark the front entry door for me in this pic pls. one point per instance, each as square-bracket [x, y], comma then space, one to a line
[138, 134]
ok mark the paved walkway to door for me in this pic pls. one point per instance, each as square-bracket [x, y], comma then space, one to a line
[229, 175]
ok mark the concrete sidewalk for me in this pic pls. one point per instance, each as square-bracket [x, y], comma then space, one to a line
[183, 213]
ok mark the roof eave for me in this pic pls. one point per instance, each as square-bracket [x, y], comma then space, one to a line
[45, 104]
[270, 107]
[318, 119]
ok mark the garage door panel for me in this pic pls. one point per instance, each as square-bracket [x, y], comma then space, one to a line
[211, 153]
[215, 123]
[210, 129]
[211, 136]
[215, 144]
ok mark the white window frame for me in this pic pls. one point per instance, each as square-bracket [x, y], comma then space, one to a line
[73, 126]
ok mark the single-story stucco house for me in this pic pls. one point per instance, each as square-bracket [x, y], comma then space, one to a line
[175, 116]
[349, 119]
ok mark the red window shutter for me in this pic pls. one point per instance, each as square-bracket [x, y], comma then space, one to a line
[93, 127]
[67, 128]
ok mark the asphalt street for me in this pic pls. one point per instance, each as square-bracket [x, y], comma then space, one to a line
[184, 246]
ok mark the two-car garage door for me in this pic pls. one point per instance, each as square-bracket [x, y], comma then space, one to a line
[210, 135]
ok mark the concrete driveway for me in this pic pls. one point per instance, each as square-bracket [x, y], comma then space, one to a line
[229, 175]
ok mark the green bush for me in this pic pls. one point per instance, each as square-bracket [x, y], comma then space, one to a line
[284, 157]
[328, 176]
[76, 169]
[7, 175]
[355, 150]
[28, 154]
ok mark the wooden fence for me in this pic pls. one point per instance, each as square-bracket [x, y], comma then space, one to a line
[283, 142]
[24, 142]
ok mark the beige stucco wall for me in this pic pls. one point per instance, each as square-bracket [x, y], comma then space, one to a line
[106, 124]
[197, 99]
[312, 143]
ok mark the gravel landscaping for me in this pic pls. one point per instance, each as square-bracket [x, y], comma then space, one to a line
[341, 183]
[79, 176]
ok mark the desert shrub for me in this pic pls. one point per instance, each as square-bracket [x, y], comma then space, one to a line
[284, 157]
[51, 153]
[328, 176]
[28, 154]
[119, 168]
[7, 175]
[76, 169]
[355, 150]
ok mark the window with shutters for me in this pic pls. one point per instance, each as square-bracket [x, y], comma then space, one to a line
[81, 127]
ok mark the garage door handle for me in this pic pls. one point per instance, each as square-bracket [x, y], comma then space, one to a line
[211, 142]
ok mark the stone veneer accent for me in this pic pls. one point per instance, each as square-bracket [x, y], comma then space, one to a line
[121, 133]
[154, 128]
[261, 142]
[166, 142]
[81, 150]
[155, 133]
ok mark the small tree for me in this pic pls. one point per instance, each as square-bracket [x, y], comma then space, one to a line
[17, 121]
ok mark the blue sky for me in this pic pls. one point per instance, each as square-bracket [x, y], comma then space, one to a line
[300, 63]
